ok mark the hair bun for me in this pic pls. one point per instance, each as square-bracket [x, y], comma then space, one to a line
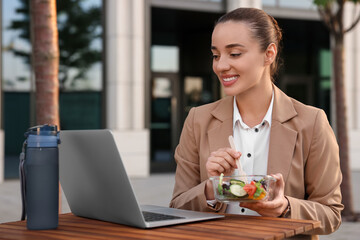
[278, 30]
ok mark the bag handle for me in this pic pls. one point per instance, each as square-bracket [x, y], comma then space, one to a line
[23, 180]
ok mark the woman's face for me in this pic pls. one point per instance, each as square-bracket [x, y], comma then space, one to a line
[238, 60]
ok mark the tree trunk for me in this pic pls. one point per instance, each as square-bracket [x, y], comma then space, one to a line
[45, 60]
[341, 126]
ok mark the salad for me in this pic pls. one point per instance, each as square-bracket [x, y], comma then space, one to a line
[235, 189]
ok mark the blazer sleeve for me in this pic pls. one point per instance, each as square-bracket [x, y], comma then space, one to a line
[323, 177]
[189, 190]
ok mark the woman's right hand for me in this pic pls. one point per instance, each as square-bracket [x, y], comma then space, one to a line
[222, 161]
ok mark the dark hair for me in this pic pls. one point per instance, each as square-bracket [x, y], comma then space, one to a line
[264, 28]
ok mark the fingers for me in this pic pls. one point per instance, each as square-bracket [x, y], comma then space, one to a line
[279, 179]
[267, 208]
[222, 161]
[263, 210]
[279, 185]
[263, 205]
[228, 154]
[274, 207]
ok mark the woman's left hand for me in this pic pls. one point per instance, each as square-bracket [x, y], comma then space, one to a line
[274, 207]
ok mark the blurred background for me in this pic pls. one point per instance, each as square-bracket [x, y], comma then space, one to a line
[137, 67]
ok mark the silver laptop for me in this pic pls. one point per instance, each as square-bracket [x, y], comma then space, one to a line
[96, 185]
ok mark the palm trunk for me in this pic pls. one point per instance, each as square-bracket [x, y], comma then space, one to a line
[341, 126]
[45, 60]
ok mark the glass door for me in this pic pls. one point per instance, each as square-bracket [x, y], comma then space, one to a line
[164, 121]
[164, 114]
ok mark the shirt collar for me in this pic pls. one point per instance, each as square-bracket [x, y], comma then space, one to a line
[237, 116]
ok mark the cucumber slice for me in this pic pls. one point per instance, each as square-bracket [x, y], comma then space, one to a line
[236, 181]
[237, 190]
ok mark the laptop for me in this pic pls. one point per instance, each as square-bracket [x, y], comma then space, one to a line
[97, 186]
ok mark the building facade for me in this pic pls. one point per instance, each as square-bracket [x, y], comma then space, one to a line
[156, 65]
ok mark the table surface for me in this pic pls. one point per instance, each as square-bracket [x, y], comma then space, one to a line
[230, 227]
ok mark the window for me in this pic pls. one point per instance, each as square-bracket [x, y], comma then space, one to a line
[164, 58]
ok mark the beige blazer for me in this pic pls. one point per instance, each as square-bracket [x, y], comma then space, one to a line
[302, 147]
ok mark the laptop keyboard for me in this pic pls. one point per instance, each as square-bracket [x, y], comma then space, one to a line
[151, 216]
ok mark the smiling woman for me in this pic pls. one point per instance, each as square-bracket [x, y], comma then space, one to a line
[274, 134]
[237, 57]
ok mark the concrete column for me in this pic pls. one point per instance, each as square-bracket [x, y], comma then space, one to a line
[118, 64]
[352, 86]
[125, 83]
[233, 4]
[138, 64]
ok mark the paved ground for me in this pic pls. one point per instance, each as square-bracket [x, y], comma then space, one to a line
[157, 190]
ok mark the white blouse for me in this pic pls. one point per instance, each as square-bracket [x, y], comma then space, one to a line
[253, 143]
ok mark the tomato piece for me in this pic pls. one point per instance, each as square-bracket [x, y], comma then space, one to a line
[250, 189]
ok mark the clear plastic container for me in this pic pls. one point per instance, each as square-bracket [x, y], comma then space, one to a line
[243, 188]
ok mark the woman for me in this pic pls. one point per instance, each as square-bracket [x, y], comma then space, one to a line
[274, 133]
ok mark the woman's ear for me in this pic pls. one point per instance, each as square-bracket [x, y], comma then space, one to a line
[270, 54]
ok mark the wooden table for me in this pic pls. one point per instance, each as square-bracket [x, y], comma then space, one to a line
[231, 227]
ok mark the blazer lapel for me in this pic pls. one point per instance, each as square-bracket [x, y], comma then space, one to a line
[282, 139]
[223, 125]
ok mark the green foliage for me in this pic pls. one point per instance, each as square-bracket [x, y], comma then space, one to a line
[78, 27]
[24, 27]
[325, 2]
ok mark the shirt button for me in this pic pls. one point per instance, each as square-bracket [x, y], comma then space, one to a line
[243, 210]
[249, 155]
[256, 129]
